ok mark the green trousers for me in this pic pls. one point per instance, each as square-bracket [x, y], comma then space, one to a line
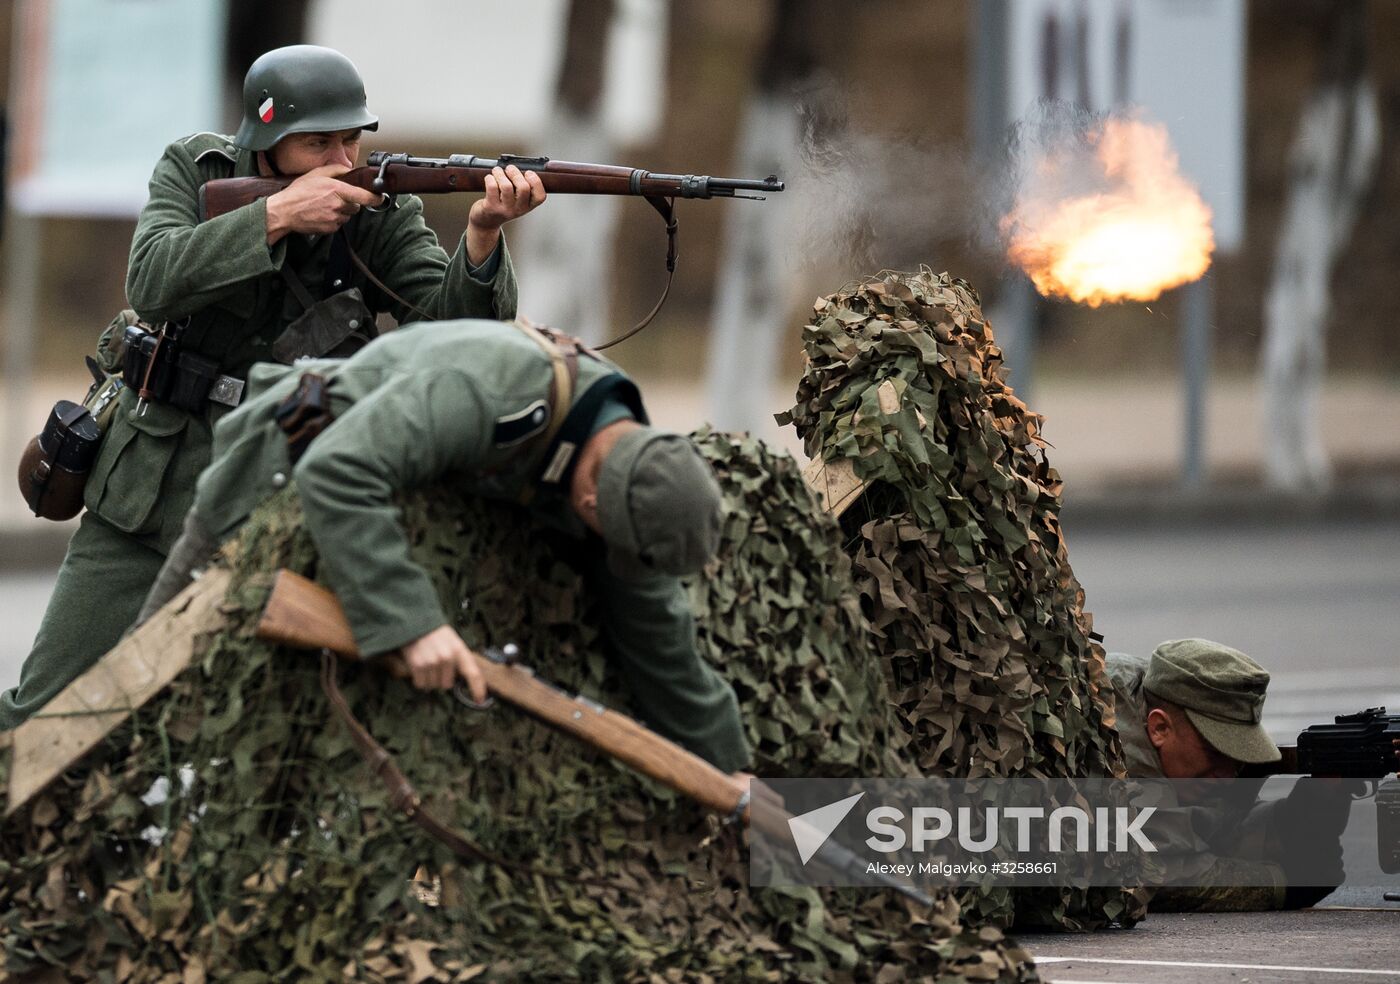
[101, 585]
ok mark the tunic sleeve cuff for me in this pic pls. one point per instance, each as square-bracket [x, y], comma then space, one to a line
[376, 638]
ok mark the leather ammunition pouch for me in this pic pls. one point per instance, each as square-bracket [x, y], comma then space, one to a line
[340, 323]
[334, 328]
[187, 380]
[54, 466]
[304, 415]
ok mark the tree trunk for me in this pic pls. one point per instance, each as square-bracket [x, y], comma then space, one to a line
[564, 252]
[754, 285]
[1333, 165]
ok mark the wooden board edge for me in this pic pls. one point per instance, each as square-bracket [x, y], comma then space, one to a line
[93, 705]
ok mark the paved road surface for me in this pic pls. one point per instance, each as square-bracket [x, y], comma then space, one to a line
[1318, 605]
[1316, 946]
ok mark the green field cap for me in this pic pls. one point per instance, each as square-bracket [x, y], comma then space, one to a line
[658, 503]
[1222, 692]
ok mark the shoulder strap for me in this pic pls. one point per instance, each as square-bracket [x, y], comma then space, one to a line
[297, 288]
[562, 452]
[564, 360]
[338, 265]
[561, 392]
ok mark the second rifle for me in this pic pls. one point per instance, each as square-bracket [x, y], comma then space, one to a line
[302, 614]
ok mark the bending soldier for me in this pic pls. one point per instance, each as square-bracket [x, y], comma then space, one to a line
[280, 278]
[502, 412]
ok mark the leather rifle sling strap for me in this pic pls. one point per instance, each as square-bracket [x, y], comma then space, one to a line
[404, 797]
[388, 291]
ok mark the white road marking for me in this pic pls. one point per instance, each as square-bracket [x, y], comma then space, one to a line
[1217, 966]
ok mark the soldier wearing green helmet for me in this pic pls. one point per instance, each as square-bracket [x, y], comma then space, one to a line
[278, 279]
[301, 89]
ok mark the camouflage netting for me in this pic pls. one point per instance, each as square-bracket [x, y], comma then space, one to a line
[962, 569]
[231, 832]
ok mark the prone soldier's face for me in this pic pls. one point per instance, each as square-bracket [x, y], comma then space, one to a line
[297, 153]
[1182, 752]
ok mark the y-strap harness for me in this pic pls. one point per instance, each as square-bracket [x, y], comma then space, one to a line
[570, 422]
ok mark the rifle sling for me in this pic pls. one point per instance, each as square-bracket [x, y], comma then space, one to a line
[404, 797]
[664, 206]
[388, 291]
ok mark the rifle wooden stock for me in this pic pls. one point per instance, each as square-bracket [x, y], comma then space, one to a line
[304, 615]
[395, 174]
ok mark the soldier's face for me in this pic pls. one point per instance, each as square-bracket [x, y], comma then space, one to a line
[583, 491]
[298, 153]
[1182, 752]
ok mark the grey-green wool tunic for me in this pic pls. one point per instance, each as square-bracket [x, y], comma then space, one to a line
[223, 276]
[421, 406]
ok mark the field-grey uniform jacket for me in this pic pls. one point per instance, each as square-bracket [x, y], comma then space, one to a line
[223, 276]
[463, 403]
[227, 281]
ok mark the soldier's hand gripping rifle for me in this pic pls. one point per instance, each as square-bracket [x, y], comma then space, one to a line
[391, 175]
[302, 614]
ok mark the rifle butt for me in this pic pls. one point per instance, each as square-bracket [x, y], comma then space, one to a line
[302, 614]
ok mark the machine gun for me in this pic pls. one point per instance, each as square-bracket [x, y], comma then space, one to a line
[1365, 745]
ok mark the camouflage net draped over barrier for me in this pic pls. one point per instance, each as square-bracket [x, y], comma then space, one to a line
[231, 832]
[956, 544]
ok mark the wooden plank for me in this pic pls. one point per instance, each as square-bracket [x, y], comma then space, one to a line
[835, 484]
[135, 670]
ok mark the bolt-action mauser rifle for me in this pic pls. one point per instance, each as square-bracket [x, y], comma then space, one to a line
[396, 174]
[302, 614]
[391, 175]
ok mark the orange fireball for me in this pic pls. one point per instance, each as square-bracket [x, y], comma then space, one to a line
[1132, 228]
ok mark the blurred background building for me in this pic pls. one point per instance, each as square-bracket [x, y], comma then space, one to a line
[1265, 397]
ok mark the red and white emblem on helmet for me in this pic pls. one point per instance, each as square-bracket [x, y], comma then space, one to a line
[265, 110]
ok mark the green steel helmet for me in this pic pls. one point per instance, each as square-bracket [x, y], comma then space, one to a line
[302, 88]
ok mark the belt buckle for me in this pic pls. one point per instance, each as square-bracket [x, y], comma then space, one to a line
[226, 390]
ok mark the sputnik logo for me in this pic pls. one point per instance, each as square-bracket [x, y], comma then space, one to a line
[811, 830]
